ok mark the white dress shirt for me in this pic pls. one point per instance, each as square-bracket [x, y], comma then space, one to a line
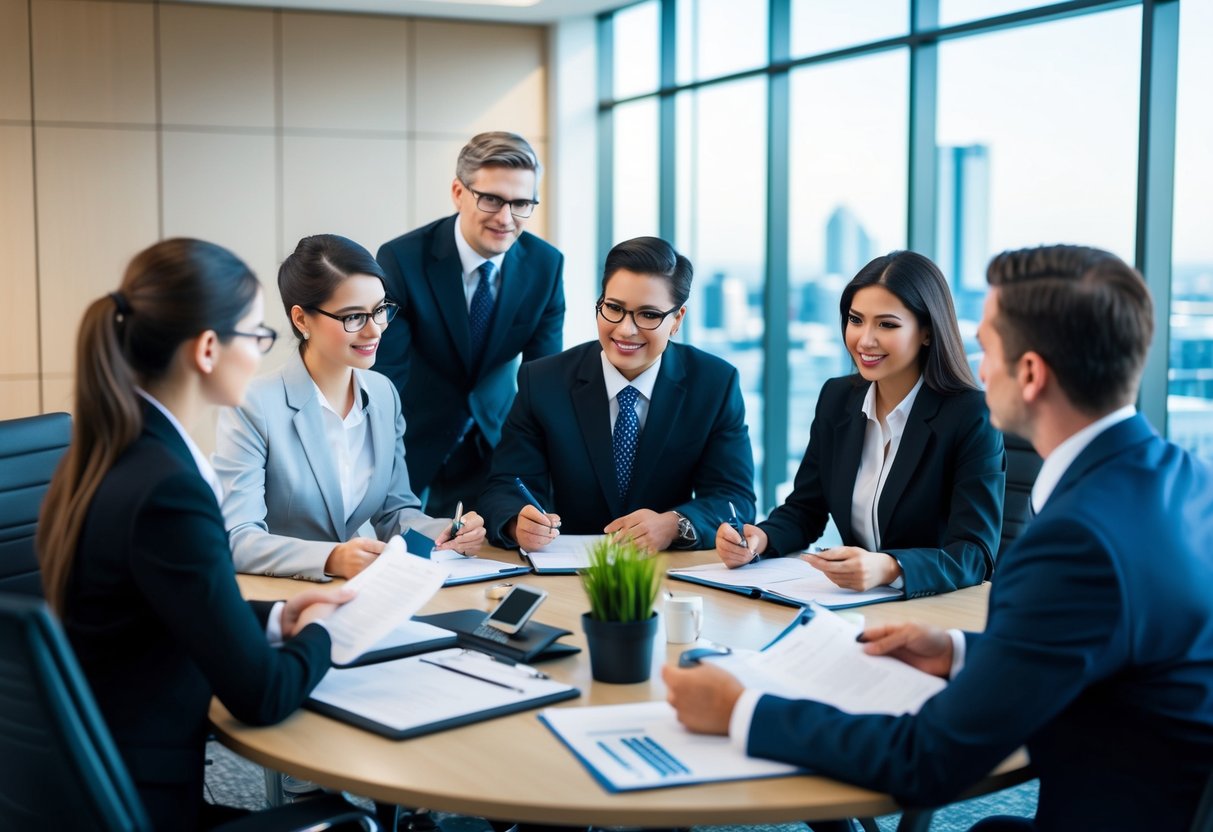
[880, 443]
[349, 438]
[643, 383]
[471, 262]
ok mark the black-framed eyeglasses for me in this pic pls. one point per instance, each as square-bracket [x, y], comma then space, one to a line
[266, 336]
[643, 318]
[491, 203]
[356, 321]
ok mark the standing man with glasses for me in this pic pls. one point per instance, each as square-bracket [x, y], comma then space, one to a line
[476, 292]
[631, 434]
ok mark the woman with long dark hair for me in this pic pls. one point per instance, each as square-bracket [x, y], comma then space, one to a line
[133, 551]
[902, 455]
[317, 449]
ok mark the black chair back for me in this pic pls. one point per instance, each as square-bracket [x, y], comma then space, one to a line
[1023, 464]
[29, 451]
[59, 769]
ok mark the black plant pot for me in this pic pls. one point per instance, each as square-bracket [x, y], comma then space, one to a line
[621, 652]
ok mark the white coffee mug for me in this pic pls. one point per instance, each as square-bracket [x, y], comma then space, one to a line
[683, 618]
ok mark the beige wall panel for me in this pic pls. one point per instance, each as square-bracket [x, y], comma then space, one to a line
[480, 77]
[216, 66]
[433, 172]
[18, 398]
[57, 392]
[221, 188]
[97, 207]
[14, 59]
[354, 187]
[18, 267]
[94, 61]
[345, 72]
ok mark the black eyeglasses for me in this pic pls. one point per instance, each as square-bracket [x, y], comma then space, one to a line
[643, 318]
[491, 203]
[265, 337]
[356, 321]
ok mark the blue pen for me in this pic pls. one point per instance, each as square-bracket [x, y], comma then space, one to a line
[737, 526]
[527, 495]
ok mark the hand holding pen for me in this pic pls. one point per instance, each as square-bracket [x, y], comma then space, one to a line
[465, 534]
[738, 544]
[533, 528]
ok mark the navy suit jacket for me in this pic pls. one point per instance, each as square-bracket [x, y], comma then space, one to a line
[1098, 654]
[156, 619]
[426, 351]
[940, 513]
[693, 457]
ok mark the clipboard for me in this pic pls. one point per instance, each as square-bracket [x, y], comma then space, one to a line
[432, 692]
[461, 569]
[563, 556]
[790, 581]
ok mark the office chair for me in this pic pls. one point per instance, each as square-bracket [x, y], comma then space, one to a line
[29, 451]
[1023, 464]
[59, 769]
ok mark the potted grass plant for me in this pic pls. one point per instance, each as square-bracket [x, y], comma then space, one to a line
[621, 581]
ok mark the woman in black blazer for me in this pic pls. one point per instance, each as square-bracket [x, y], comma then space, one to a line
[630, 434]
[902, 455]
[131, 541]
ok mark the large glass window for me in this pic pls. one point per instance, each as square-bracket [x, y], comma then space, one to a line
[1033, 152]
[1190, 374]
[823, 25]
[721, 205]
[634, 205]
[719, 37]
[847, 205]
[637, 34]
[952, 12]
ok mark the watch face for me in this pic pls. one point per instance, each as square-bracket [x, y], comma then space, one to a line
[684, 528]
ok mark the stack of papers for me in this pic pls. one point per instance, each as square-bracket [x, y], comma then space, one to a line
[789, 580]
[460, 569]
[564, 555]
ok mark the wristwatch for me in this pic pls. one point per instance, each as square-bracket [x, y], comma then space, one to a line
[687, 536]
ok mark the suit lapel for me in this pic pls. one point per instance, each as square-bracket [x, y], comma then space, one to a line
[669, 396]
[444, 271]
[909, 452]
[1111, 442]
[302, 397]
[509, 298]
[848, 449]
[594, 421]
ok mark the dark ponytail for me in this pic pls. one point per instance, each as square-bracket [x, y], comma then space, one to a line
[171, 292]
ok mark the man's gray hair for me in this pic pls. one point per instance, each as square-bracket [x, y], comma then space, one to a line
[496, 149]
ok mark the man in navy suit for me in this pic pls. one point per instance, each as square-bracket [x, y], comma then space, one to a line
[1098, 652]
[475, 293]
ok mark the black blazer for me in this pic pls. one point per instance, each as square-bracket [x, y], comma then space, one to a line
[694, 453]
[940, 513]
[426, 351]
[158, 624]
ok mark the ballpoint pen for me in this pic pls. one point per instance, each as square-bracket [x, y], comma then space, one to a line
[457, 523]
[519, 667]
[530, 498]
[736, 525]
[471, 675]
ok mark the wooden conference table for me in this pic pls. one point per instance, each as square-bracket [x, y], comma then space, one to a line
[514, 768]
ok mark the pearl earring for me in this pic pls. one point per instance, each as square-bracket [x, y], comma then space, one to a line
[306, 336]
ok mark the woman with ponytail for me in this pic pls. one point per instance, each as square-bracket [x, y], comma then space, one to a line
[133, 551]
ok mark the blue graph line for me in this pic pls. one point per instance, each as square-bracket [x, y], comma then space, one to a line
[670, 760]
[642, 751]
[614, 756]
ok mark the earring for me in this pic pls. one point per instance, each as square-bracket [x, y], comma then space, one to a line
[306, 336]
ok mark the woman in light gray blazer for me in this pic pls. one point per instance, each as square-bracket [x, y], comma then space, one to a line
[317, 449]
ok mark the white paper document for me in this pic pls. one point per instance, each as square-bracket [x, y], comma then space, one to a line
[789, 578]
[643, 746]
[821, 660]
[432, 689]
[566, 553]
[467, 568]
[390, 590]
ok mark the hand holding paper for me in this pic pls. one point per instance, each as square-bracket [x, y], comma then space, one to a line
[390, 590]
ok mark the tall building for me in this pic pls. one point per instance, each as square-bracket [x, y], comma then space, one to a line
[848, 246]
[962, 237]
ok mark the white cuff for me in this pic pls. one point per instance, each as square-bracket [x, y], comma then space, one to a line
[273, 627]
[958, 652]
[743, 715]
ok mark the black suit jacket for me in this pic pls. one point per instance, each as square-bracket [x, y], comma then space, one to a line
[940, 513]
[426, 351]
[694, 453]
[1098, 655]
[158, 624]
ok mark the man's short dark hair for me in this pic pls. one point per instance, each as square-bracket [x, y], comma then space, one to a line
[1085, 311]
[651, 256]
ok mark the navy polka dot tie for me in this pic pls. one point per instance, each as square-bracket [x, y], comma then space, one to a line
[627, 431]
[480, 314]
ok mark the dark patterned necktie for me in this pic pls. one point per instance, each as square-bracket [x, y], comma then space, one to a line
[623, 441]
[480, 314]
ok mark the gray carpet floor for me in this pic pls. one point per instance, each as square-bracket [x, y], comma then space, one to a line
[234, 781]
